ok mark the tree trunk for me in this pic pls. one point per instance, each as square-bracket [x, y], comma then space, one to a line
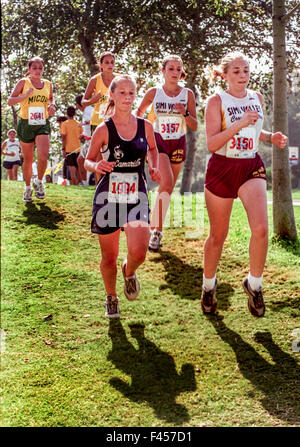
[191, 142]
[88, 53]
[283, 212]
[15, 115]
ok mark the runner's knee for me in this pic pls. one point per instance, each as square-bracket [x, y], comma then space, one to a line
[260, 231]
[138, 254]
[109, 259]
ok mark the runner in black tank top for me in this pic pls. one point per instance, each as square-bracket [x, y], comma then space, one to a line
[129, 158]
[122, 142]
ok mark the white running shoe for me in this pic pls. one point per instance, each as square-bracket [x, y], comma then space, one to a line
[112, 307]
[39, 189]
[131, 284]
[27, 196]
[155, 240]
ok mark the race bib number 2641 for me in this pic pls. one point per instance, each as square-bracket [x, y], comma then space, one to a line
[36, 116]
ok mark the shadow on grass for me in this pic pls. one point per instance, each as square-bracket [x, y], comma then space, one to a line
[186, 280]
[280, 383]
[43, 216]
[154, 378]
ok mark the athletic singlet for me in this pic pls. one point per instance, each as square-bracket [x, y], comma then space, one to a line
[35, 107]
[245, 143]
[168, 123]
[128, 177]
[12, 146]
[98, 115]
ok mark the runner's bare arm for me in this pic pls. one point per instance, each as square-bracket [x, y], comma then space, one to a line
[51, 105]
[89, 97]
[16, 96]
[3, 147]
[146, 102]
[277, 138]
[152, 153]
[191, 119]
[99, 140]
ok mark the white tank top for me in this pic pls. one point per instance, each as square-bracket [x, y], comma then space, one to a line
[245, 143]
[12, 147]
[168, 123]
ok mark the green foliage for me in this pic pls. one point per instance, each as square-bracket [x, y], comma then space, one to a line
[70, 35]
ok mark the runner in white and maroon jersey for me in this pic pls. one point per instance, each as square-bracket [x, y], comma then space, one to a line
[234, 121]
[173, 108]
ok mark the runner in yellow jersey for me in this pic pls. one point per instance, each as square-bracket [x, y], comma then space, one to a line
[97, 90]
[35, 96]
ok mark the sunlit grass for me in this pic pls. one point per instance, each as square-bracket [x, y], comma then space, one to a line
[163, 363]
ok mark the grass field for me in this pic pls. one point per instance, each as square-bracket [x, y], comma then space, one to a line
[163, 363]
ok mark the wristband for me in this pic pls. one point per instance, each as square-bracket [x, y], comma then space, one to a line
[187, 113]
[268, 137]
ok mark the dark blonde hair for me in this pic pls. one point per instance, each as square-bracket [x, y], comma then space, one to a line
[11, 130]
[173, 57]
[112, 87]
[224, 62]
[104, 54]
[32, 60]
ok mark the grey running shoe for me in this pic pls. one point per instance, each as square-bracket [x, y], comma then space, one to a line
[112, 307]
[155, 240]
[209, 300]
[27, 196]
[131, 284]
[39, 189]
[256, 304]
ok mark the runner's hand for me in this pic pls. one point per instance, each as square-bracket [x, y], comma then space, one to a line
[179, 108]
[104, 166]
[279, 140]
[51, 110]
[249, 118]
[29, 91]
[155, 174]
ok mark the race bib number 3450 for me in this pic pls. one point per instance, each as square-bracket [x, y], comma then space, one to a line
[123, 187]
[242, 145]
[36, 116]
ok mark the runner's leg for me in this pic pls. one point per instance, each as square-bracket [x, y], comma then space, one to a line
[219, 210]
[254, 198]
[109, 245]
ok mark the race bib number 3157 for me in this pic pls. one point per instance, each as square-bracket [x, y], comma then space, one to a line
[170, 127]
[123, 187]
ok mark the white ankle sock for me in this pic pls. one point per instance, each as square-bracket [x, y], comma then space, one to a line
[254, 282]
[209, 283]
[27, 188]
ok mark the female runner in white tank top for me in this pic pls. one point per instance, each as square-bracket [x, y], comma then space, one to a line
[173, 108]
[11, 151]
[234, 121]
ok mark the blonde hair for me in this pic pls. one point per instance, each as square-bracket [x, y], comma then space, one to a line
[112, 87]
[224, 62]
[173, 57]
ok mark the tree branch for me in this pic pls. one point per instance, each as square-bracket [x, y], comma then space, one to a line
[288, 15]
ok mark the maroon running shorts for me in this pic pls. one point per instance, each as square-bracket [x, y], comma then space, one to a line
[224, 176]
[175, 149]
